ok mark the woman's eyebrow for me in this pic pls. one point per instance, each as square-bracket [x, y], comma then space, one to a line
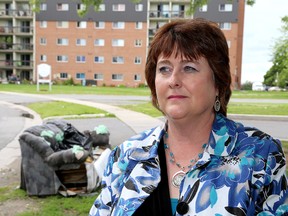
[164, 61]
[190, 61]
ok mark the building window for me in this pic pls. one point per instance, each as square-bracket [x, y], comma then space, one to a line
[99, 42]
[138, 25]
[225, 7]
[80, 42]
[100, 25]
[62, 24]
[80, 7]
[62, 41]
[137, 60]
[138, 43]
[99, 59]
[43, 7]
[101, 7]
[80, 75]
[98, 76]
[225, 26]
[118, 7]
[203, 8]
[43, 58]
[137, 77]
[80, 59]
[118, 25]
[118, 42]
[63, 75]
[118, 59]
[43, 41]
[139, 7]
[117, 77]
[82, 24]
[43, 24]
[62, 58]
[62, 7]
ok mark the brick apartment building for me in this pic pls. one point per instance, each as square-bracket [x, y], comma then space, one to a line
[107, 47]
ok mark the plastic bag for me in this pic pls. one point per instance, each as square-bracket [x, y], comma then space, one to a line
[74, 137]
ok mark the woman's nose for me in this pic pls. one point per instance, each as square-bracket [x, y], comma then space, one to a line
[175, 81]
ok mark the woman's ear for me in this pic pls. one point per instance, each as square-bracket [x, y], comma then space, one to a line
[217, 91]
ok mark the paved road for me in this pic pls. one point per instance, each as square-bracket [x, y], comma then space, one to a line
[11, 123]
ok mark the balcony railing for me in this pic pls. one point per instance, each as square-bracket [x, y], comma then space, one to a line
[166, 14]
[16, 46]
[15, 63]
[16, 29]
[16, 13]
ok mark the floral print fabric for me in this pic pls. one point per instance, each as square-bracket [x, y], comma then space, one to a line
[241, 172]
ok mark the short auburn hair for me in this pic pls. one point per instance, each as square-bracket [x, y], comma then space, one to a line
[192, 39]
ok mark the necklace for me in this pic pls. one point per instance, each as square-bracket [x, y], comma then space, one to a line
[178, 176]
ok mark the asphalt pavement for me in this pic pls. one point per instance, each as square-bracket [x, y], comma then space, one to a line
[15, 117]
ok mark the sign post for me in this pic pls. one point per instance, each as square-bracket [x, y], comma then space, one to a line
[44, 75]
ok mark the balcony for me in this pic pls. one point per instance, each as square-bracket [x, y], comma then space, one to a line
[4, 13]
[7, 30]
[19, 47]
[166, 14]
[10, 64]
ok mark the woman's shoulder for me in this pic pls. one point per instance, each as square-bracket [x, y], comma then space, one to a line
[250, 136]
[142, 140]
[262, 143]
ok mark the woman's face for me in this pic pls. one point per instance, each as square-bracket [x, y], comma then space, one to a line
[184, 88]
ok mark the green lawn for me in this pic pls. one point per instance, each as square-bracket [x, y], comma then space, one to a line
[60, 108]
[258, 108]
[77, 89]
[260, 95]
[143, 91]
[233, 108]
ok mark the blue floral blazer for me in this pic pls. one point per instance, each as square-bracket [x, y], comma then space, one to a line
[242, 172]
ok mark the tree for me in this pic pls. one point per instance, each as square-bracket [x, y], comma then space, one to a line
[247, 85]
[96, 3]
[277, 75]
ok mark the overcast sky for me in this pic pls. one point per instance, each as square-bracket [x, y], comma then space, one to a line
[261, 29]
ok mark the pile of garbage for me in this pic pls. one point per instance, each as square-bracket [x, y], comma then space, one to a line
[57, 158]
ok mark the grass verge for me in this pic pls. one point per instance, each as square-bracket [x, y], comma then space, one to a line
[60, 108]
[143, 91]
[56, 205]
[233, 108]
[76, 89]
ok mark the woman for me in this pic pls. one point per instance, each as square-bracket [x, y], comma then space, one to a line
[199, 162]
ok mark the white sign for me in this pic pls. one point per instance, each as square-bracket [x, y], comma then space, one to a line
[44, 70]
[44, 75]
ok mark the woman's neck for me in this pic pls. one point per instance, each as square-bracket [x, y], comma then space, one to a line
[191, 131]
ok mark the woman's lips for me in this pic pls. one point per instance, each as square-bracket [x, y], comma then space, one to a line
[176, 97]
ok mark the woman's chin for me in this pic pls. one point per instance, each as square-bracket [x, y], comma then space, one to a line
[176, 114]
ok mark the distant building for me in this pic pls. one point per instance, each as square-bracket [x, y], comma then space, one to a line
[107, 47]
[16, 40]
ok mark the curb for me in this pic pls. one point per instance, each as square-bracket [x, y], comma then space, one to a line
[12, 150]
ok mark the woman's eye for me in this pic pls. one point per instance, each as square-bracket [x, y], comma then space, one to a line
[190, 69]
[164, 69]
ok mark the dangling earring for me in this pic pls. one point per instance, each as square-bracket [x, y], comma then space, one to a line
[217, 104]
